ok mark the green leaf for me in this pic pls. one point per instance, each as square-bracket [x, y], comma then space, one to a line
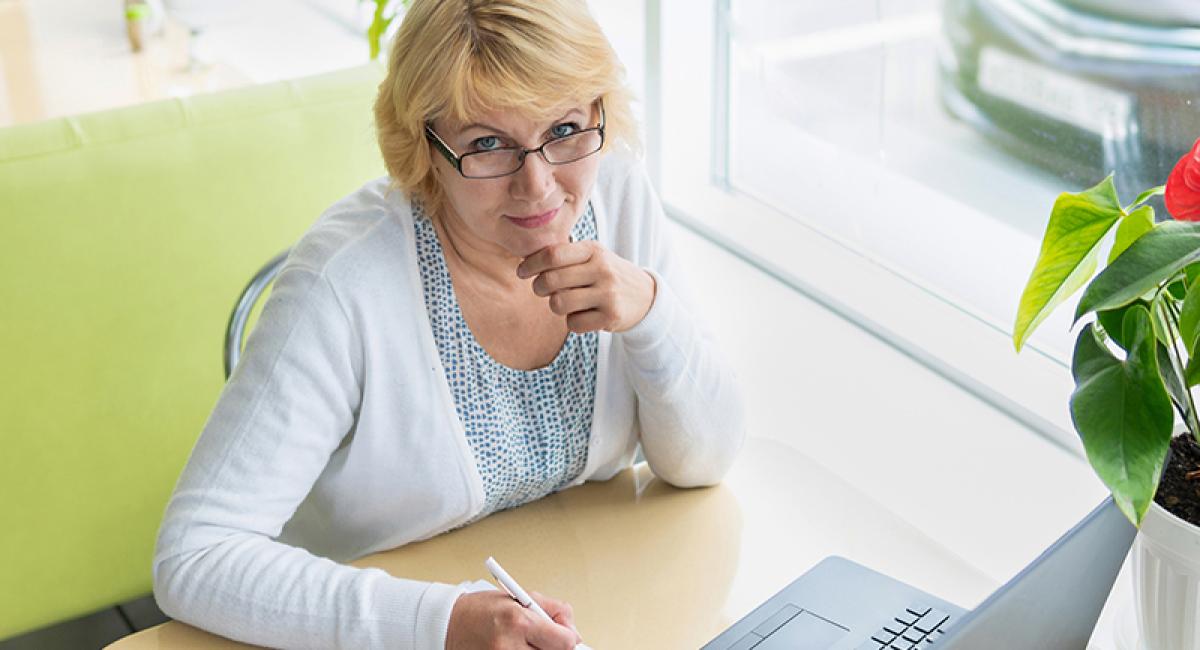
[1162, 332]
[1113, 320]
[1070, 248]
[1122, 413]
[1148, 262]
[1190, 273]
[1177, 289]
[1191, 374]
[378, 27]
[1145, 196]
[1170, 377]
[1133, 225]
[1189, 318]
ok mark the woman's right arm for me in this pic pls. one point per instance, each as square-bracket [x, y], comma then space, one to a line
[287, 407]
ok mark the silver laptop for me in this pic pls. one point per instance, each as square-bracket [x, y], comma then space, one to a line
[1051, 604]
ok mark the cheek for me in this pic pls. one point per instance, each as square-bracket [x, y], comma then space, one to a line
[578, 182]
[471, 199]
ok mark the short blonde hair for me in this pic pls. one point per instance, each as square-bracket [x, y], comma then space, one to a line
[461, 58]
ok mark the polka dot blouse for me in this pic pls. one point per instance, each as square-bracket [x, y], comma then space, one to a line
[528, 429]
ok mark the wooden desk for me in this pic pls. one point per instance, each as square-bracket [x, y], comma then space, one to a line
[646, 565]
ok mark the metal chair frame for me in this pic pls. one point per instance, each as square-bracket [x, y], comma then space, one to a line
[235, 331]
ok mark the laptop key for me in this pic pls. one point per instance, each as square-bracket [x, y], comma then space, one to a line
[883, 637]
[931, 620]
[907, 618]
[917, 611]
[871, 644]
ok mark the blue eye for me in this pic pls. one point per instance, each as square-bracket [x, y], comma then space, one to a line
[486, 143]
[564, 129]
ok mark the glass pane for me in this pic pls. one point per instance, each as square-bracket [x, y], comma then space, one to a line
[572, 147]
[934, 136]
[490, 163]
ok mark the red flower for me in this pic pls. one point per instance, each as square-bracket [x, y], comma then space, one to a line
[1183, 187]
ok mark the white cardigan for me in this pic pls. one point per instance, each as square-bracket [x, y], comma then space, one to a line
[337, 434]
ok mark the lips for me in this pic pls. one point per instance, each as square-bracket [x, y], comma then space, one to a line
[534, 221]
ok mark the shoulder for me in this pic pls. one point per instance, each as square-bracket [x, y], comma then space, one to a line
[621, 172]
[355, 232]
[628, 213]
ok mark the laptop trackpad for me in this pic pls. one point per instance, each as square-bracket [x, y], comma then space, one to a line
[804, 632]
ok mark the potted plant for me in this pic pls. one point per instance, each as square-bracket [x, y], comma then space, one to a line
[383, 14]
[1134, 364]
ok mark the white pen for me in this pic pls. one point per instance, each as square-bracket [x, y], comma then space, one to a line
[518, 594]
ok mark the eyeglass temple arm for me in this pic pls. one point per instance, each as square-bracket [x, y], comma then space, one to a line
[444, 149]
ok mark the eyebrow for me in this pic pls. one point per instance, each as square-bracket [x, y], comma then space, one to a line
[488, 127]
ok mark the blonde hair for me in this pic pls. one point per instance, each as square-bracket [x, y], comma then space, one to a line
[461, 58]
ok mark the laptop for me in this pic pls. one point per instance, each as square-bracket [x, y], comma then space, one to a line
[1051, 604]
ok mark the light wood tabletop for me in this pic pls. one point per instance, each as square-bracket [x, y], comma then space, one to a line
[646, 565]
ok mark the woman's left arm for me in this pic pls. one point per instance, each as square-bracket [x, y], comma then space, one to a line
[689, 407]
[689, 404]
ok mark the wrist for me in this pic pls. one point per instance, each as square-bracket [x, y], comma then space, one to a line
[651, 292]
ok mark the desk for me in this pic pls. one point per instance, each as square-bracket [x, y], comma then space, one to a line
[628, 553]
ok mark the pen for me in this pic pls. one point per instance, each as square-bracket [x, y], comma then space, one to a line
[518, 594]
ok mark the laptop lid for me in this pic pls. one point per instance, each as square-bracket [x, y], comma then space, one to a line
[1055, 601]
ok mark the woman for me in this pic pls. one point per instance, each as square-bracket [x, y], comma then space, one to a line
[499, 319]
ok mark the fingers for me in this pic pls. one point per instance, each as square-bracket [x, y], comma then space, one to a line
[547, 635]
[574, 302]
[557, 256]
[558, 610]
[571, 277]
[591, 309]
[494, 620]
[585, 277]
[592, 320]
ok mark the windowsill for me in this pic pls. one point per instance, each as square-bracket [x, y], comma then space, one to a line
[1032, 387]
[975, 480]
[810, 250]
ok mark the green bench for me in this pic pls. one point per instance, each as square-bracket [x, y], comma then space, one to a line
[125, 237]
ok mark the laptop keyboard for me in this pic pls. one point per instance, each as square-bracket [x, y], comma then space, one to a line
[916, 628]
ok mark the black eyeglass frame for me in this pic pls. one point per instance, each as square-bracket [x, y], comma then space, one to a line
[456, 160]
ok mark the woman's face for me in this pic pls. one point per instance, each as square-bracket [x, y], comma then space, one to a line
[519, 214]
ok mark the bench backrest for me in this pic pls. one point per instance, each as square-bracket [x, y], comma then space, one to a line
[125, 237]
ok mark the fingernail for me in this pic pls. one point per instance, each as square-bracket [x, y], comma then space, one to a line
[521, 272]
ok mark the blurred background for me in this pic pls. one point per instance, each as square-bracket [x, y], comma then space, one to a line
[860, 188]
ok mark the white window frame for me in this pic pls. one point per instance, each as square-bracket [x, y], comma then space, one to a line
[687, 65]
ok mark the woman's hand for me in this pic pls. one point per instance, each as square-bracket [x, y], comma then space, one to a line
[595, 288]
[492, 620]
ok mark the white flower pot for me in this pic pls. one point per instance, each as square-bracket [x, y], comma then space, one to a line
[1166, 577]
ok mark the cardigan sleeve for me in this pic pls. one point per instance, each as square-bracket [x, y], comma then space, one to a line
[689, 407]
[289, 404]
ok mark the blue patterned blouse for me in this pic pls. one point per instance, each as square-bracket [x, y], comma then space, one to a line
[528, 429]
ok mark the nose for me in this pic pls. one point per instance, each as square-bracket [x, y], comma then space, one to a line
[534, 181]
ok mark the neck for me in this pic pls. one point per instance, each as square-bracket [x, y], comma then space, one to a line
[483, 260]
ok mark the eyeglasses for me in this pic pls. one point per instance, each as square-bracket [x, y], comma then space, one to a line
[504, 161]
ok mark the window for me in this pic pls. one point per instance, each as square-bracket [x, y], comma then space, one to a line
[897, 159]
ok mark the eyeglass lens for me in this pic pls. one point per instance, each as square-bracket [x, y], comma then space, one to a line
[484, 164]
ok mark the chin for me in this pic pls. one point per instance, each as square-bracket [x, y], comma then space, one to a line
[558, 232]
[534, 243]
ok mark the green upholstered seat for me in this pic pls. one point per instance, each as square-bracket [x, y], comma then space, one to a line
[125, 237]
